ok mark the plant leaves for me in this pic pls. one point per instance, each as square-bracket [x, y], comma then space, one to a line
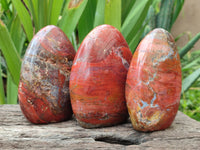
[189, 80]
[2, 95]
[32, 8]
[178, 7]
[4, 4]
[10, 53]
[71, 15]
[55, 11]
[12, 90]
[42, 13]
[99, 14]
[135, 19]
[17, 34]
[189, 45]
[135, 41]
[18, 37]
[86, 20]
[126, 7]
[165, 15]
[113, 13]
[25, 18]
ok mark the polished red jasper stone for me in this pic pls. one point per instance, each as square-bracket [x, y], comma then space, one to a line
[98, 76]
[153, 84]
[44, 81]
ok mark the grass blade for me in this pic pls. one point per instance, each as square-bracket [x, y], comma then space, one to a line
[4, 4]
[189, 80]
[178, 6]
[35, 5]
[165, 15]
[189, 45]
[2, 95]
[17, 34]
[55, 11]
[99, 14]
[85, 24]
[33, 13]
[151, 15]
[126, 7]
[190, 65]
[12, 91]
[10, 53]
[18, 38]
[113, 13]
[71, 15]
[42, 14]
[49, 9]
[134, 42]
[25, 18]
[135, 19]
[74, 41]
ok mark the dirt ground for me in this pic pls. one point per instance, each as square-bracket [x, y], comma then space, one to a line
[188, 21]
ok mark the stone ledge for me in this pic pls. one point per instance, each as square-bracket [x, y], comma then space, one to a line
[17, 133]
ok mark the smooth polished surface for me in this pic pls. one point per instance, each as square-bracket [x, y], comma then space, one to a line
[153, 85]
[44, 81]
[97, 81]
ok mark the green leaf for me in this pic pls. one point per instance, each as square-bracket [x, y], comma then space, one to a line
[55, 11]
[71, 15]
[189, 65]
[135, 19]
[147, 29]
[17, 34]
[85, 24]
[126, 7]
[33, 8]
[18, 38]
[42, 13]
[12, 91]
[178, 6]
[49, 9]
[188, 34]
[188, 81]
[4, 4]
[10, 53]
[2, 95]
[165, 15]
[74, 42]
[99, 15]
[113, 13]
[151, 15]
[135, 41]
[189, 45]
[25, 18]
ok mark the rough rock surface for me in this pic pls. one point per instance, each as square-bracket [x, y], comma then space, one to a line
[17, 133]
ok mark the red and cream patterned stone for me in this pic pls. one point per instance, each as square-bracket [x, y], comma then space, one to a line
[153, 84]
[44, 81]
[98, 76]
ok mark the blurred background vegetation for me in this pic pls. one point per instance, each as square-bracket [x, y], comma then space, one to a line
[20, 20]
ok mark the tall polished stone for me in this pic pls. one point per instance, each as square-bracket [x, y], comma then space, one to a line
[153, 85]
[44, 81]
[98, 76]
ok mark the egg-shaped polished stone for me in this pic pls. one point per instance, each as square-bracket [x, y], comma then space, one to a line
[153, 85]
[98, 76]
[44, 81]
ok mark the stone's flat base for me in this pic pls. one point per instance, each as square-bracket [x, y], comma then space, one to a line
[17, 133]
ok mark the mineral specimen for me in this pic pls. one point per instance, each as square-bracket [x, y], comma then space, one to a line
[44, 81]
[153, 84]
[98, 76]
